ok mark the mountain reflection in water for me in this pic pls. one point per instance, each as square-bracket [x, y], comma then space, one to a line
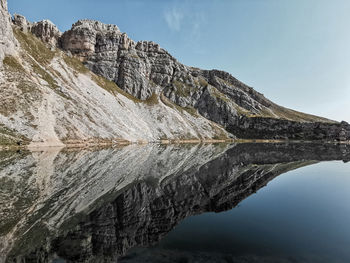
[96, 205]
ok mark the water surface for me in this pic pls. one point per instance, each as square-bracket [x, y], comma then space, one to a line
[202, 203]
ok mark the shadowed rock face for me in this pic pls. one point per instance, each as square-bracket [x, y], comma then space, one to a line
[134, 91]
[93, 206]
[143, 68]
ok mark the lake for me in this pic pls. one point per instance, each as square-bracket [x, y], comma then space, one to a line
[252, 202]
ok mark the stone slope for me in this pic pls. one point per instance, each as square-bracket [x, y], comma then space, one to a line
[137, 67]
[50, 98]
[128, 91]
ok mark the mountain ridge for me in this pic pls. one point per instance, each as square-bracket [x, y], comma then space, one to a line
[82, 74]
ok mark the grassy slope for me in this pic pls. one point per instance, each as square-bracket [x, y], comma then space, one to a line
[276, 111]
[38, 56]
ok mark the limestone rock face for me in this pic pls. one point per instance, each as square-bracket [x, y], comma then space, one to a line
[82, 38]
[136, 67]
[7, 40]
[143, 68]
[45, 30]
[50, 98]
[22, 23]
[133, 91]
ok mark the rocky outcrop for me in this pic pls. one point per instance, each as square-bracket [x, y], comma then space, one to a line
[93, 206]
[83, 39]
[50, 98]
[143, 68]
[267, 128]
[45, 30]
[136, 67]
[128, 91]
[7, 40]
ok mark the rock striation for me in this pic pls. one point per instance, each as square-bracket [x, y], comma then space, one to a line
[7, 40]
[138, 68]
[45, 30]
[49, 98]
[93, 83]
[143, 68]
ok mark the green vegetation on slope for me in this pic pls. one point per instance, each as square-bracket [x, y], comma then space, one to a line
[172, 105]
[112, 87]
[37, 55]
[9, 137]
[34, 47]
[12, 64]
[277, 112]
[76, 64]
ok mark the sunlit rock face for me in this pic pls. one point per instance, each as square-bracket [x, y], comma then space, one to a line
[7, 41]
[104, 202]
[45, 30]
[143, 68]
[127, 91]
[50, 99]
[136, 67]
[84, 38]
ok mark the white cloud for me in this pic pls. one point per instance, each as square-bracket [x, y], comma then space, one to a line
[174, 18]
[186, 19]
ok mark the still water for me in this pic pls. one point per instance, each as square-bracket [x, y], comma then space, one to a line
[202, 203]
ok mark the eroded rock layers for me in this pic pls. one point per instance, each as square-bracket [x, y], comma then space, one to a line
[182, 102]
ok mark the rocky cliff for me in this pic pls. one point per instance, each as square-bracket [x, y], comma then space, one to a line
[94, 84]
[50, 98]
[94, 205]
[7, 41]
[143, 68]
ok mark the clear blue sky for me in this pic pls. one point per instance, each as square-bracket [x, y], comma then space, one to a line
[296, 52]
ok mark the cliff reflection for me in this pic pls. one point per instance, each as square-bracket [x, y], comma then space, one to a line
[95, 205]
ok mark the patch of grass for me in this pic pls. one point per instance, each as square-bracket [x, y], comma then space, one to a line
[293, 115]
[13, 64]
[152, 100]
[220, 136]
[182, 89]
[26, 87]
[278, 112]
[76, 64]
[44, 75]
[221, 96]
[202, 82]
[112, 87]
[6, 140]
[8, 106]
[34, 47]
[38, 55]
[172, 105]
[192, 111]
[216, 93]
[9, 137]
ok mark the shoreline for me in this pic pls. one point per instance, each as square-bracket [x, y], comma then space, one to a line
[123, 143]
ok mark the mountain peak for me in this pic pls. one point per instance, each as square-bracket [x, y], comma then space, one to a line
[3, 4]
[98, 84]
[94, 25]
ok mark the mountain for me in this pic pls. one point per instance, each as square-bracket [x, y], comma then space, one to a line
[94, 205]
[93, 84]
